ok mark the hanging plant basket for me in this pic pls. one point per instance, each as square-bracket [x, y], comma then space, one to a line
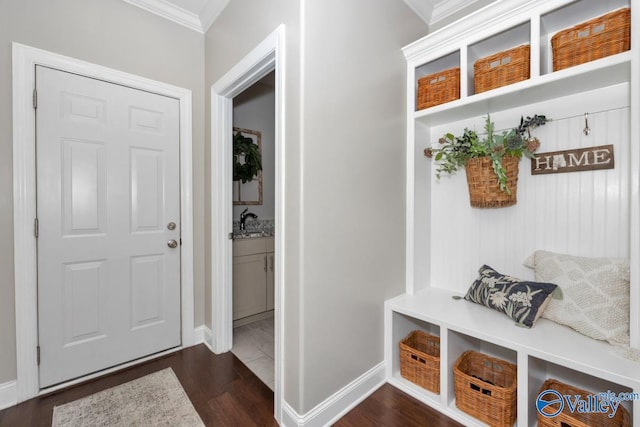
[484, 188]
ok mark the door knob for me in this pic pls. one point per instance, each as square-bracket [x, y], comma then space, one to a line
[172, 244]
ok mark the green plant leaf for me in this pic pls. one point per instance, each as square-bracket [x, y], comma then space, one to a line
[247, 160]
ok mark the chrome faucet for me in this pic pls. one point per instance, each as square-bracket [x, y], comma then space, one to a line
[243, 217]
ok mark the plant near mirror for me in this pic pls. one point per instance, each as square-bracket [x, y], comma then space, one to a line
[247, 159]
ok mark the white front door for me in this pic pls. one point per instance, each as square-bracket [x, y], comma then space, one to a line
[108, 207]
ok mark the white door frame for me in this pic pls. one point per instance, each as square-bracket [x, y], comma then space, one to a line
[25, 58]
[267, 56]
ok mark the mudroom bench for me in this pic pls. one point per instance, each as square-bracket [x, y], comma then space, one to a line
[547, 350]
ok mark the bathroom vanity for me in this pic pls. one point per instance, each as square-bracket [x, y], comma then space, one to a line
[253, 285]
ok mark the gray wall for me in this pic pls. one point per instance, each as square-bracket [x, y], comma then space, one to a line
[345, 176]
[117, 35]
[354, 139]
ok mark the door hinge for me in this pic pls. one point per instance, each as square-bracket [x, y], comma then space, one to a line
[36, 228]
[35, 99]
[38, 354]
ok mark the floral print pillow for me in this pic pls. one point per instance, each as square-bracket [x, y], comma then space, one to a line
[520, 300]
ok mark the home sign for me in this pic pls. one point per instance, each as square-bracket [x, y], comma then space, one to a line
[580, 159]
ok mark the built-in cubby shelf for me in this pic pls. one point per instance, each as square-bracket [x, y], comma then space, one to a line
[447, 240]
[604, 72]
[548, 350]
[532, 23]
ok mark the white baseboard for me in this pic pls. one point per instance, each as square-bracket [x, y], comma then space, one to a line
[8, 394]
[204, 335]
[9, 390]
[337, 405]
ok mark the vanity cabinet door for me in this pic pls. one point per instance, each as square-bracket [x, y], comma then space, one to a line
[270, 281]
[249, 285]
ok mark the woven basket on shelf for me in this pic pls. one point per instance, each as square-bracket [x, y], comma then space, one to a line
[486, 388]
[438, 88]
[599, 37]
[501, 69]
[566, 418]
[420, 360]
[484, 188]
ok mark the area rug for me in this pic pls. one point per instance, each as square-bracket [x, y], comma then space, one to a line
[156, 399]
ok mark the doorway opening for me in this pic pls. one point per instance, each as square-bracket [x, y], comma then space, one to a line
[265, 58]
[253, 230]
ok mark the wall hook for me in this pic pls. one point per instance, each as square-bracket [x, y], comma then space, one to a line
[587, 129]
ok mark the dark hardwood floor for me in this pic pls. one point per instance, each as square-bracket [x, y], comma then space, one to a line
[226, 393]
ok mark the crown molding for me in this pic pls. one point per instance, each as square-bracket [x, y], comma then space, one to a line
[212, 9]
[422, 8]
[432, 11]
[171, 12]
[445, 8]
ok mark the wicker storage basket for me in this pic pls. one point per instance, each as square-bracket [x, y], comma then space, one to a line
[486, 388]
[420, 360]
[566, 418]
[599, 37]
[438, 88]
[501, 69]
[484, 189]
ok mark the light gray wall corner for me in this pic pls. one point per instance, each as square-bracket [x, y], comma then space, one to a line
[354, 205]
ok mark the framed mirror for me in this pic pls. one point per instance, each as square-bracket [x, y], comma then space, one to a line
[247, 191]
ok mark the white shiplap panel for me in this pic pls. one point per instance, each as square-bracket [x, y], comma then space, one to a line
[581, 213]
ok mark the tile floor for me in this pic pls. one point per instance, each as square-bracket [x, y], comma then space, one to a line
[253, 345]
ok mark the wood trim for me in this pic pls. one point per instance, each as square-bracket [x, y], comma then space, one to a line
[25, 58]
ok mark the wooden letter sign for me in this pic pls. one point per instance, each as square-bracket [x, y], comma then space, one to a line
[580, 159]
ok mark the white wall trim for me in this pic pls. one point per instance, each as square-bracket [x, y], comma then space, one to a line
[8, 394]
[25, 59]
[171, 12]
[446, 8]
[211, 11]
[198, 334]
[424, 9]
[200, 22]
[203, 335]
[267, 56]
[434, 11]
[337, 405]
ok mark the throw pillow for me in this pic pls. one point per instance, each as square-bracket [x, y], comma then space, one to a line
[521, 301]
[595, 291]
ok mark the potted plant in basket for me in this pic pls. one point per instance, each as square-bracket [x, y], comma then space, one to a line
[490, 160]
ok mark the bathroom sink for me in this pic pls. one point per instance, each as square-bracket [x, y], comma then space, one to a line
[250, 234]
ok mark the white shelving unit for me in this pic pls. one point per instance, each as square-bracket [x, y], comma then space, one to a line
[587, 213]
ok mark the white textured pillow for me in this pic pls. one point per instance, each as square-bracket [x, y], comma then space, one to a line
[595, 293]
